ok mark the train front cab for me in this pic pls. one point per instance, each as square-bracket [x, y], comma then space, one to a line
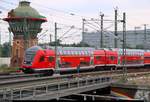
[29, 59]
[43, 61]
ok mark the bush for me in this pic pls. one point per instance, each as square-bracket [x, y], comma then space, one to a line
[4, 66]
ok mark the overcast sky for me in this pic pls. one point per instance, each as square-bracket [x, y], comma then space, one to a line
[137, 11]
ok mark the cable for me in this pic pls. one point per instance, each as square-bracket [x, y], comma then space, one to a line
[92, 24]
[62, 11]
[40, 6]
[72, 34]
[65, 32]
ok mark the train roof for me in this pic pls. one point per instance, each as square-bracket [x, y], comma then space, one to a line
[129, 51]
[75, 50]
[34, 48]
[69, 48]
[86, 50]
[66, 50]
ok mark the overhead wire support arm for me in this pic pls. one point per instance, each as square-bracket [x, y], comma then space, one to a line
[98, 20]
[87, 22]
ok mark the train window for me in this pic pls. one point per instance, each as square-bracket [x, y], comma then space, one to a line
[73, 52]
[112, 57]
[76, 52]
[82, 52]
[61, 52]
[147, 58]
[41, 59]
[51, 59]
[65, 64]
[98, 57]
[82, 63]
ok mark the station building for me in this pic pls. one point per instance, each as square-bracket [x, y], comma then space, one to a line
[134, 39]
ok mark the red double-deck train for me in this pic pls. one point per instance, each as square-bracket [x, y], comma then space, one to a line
[37, 59]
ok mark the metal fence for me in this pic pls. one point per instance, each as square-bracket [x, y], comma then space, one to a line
[30, 92]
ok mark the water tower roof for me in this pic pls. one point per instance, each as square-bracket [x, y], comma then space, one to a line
[25, 10]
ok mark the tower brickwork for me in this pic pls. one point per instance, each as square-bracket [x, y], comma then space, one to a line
[25, 23]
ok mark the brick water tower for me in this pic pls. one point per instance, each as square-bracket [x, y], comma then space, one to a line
[25, 23]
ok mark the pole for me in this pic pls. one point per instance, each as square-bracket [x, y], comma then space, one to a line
[135, 36]
[83, 23]
[0, 43]
[0, 39]
[124, 48]
[101, 41]
[56, 59]
[0, 36]
[50, 39]
[115, 32]
[145, 42]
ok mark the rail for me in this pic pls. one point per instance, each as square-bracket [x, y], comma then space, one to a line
[15, 76]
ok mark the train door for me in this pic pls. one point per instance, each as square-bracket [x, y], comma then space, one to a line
[99, 59]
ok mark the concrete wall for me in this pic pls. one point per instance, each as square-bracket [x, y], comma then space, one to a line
[4, 60]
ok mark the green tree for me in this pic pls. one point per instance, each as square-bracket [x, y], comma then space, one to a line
[0, 50]
[5, 50]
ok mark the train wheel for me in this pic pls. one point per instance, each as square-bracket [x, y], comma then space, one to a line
[27, 71]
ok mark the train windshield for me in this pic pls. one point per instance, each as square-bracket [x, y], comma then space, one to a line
[30, 53]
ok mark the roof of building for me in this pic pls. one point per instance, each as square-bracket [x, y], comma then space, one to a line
[24, 10]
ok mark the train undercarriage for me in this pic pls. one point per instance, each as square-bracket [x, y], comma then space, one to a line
[50, 72]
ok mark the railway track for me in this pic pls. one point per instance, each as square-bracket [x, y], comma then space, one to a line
[20, 77]
[7, 76]
[15, 76]
[26, 80]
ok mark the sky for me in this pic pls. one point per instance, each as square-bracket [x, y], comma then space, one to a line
[137, 12]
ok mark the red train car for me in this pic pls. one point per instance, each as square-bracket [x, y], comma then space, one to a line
[69, 58]
[38, 59]
[132, 58]
[147, 59]
[105, 59]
